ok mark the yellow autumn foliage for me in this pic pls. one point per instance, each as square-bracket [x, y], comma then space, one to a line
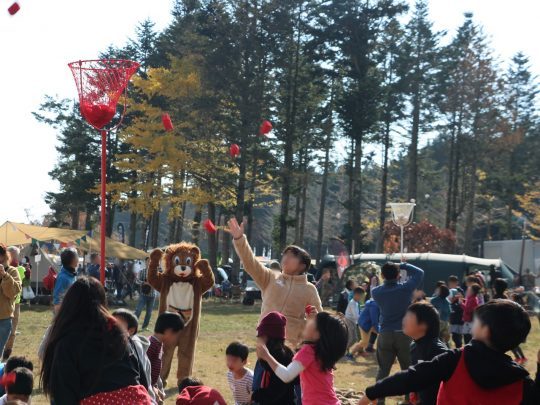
[188, 164]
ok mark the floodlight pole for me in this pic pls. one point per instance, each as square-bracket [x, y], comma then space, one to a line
[103, 204]
[401, 240]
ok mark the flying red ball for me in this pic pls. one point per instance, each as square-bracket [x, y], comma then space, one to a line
[209, 226]
[234, 150]
[14, 8]
[266, 127]
[167, 123]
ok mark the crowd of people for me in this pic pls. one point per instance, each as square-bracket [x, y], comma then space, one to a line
[450, 347]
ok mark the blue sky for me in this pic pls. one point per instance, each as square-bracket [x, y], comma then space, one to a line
[45, 35]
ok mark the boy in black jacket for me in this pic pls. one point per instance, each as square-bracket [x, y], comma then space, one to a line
[421, 323]
[481, 373]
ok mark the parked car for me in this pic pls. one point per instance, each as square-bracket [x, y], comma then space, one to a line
[252, 290]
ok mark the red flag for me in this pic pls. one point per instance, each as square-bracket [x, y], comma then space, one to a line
[234, 150]
[266, 127]
[342, 262]
[14, 8]
[209, 226]
[167, 123]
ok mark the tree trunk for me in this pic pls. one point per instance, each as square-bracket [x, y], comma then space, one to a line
[212, 237]
[298, 207]
[196, 228]
[155, 228]
[455, 188]
[240, 195]
[351, 190]
[384, 187]
[225, 247]
[172, 230]
[510, 198]
[180, 224]
[470, 210]
[88, 221]
[74, 213]
[288, 147]
[251, 197]
[451, 175]
[304, 206]
[413, 148]
[324, 188]
[144, 233]
[132, 228]
[357, 196]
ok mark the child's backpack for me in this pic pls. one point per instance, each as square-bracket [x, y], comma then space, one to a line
[50, 279]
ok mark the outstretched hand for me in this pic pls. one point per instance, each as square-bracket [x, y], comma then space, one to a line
[236, 230]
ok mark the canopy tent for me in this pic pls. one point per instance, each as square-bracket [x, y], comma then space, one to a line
[12, 233]
[437, 266]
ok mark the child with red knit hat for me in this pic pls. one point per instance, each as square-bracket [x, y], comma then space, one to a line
[325, 342]
[267, 387]
[192, 391]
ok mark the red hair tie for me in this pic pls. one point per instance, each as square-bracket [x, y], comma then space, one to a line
[8, 379]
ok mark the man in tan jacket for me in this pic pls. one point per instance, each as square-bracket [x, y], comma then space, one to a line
[10, 287]
[287, 292]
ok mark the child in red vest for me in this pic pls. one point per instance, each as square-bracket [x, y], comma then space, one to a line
[479, 374]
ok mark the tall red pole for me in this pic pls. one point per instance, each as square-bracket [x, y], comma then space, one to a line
[103, 199]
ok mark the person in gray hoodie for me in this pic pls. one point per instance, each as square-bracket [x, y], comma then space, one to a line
[130, 323]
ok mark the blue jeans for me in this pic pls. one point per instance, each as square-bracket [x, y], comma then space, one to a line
[5, 331]
[148, 302]
[298, 394]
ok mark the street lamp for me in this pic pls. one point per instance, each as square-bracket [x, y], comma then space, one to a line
[402, 216]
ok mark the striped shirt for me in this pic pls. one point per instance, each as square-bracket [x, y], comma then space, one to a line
[241, 388]
[155, 355]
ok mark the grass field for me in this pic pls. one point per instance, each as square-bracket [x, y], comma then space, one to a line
[221, 323]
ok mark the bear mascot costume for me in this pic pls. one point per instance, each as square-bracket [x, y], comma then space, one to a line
[182, 283]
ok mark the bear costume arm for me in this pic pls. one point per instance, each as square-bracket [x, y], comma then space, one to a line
[207, 275]
[155, 279]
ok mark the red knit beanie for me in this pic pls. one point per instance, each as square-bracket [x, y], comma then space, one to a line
[199, 395]
[272, 326]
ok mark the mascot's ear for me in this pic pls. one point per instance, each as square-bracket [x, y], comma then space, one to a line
[196, 252]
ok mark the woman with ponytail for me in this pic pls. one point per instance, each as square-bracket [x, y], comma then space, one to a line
[87, 357]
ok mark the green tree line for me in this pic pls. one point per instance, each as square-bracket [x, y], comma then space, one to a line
[369, 104]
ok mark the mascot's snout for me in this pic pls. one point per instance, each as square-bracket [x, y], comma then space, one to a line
[182, 271]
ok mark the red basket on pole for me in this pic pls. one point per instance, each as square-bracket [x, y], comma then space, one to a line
[100, 84]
